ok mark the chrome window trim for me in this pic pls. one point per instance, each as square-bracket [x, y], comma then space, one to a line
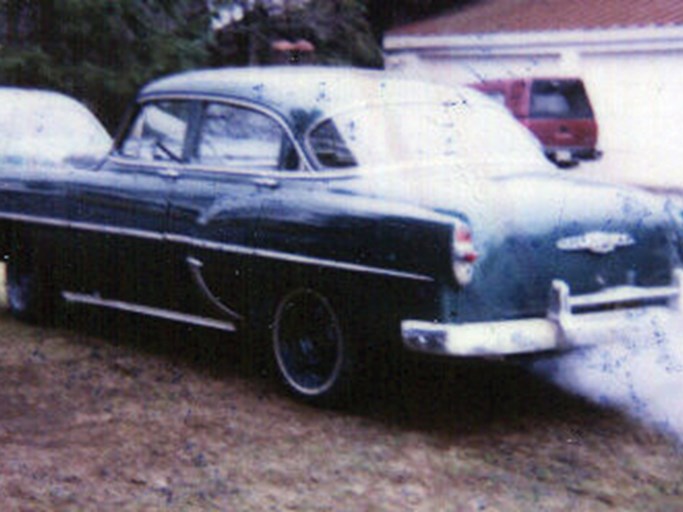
[220, 247]
[226, 172]
[305, 162]
[144, 164]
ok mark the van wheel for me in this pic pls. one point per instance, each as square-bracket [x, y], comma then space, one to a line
[30, 294]
[312, 355]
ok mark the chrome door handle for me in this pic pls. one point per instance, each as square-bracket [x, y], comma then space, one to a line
[267, 182]
[169, 173]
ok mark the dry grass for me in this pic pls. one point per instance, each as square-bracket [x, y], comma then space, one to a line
[106, 414]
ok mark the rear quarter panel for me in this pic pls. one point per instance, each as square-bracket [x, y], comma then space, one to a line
[376, 254]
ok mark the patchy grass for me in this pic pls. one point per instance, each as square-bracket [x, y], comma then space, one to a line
[110, 413]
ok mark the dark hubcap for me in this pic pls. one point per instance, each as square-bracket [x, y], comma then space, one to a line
[308, 342]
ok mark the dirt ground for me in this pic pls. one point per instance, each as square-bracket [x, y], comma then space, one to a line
[109, 413]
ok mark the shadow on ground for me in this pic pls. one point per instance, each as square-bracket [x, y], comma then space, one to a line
[425, 394]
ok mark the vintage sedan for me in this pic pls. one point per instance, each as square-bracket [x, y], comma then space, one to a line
[335, 216]
[39, 127]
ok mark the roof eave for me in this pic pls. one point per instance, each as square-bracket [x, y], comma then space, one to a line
[654, 36]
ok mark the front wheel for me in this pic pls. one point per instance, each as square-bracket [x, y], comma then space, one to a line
[313, 357]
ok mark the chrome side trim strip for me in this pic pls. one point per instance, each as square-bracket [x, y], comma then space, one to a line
[94, 300]
[296, 258]
[222, 247]
[196, 271]
[82, 226]
[32, 219]
[111, 230]
[340, 265]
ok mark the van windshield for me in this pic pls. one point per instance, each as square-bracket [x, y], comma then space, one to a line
[560, 98]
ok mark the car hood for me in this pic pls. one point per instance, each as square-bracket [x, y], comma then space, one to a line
[530, 229]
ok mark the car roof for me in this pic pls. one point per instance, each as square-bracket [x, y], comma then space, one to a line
[302, 93]
[27, 98]
[48, 125]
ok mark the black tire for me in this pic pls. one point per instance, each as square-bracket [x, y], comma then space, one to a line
[30, 294]
[312, 354]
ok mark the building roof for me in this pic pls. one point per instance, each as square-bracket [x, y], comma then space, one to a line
[498, 16]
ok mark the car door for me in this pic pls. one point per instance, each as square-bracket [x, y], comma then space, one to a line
[237, 154]
[120, 212]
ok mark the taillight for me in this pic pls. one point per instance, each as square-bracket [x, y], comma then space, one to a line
[464, 254]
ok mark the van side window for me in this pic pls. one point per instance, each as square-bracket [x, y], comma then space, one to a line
[559, 98]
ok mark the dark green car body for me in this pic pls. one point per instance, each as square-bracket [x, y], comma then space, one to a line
[238, 200]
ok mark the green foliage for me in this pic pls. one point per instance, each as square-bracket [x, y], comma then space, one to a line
[338, 29]
[104, 50]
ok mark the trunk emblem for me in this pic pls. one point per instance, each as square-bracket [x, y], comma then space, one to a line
[597, 242]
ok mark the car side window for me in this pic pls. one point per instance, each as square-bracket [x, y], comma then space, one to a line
[238, 137]
[329, 147]
[158, 132]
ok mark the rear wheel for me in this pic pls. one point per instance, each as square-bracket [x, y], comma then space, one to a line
[312, 354]
[30, 294]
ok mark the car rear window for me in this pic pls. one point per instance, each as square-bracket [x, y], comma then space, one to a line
[560, 98]
[468, 134]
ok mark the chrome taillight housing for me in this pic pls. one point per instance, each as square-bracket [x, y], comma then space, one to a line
[464, 254]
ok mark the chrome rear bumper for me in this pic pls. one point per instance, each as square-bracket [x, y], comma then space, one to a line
[571, 322]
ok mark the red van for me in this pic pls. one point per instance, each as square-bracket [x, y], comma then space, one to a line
[556, 110]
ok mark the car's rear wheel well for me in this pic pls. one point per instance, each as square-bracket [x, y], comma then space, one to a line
[364, 310]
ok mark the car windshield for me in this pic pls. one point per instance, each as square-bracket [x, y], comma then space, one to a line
[482, 137]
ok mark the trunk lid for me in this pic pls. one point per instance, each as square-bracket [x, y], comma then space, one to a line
[534, 228]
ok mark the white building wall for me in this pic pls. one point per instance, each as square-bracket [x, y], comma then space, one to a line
[638, 100]
[634, 78]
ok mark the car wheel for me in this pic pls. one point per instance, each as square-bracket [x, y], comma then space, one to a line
[312, 355]
[30, 296]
